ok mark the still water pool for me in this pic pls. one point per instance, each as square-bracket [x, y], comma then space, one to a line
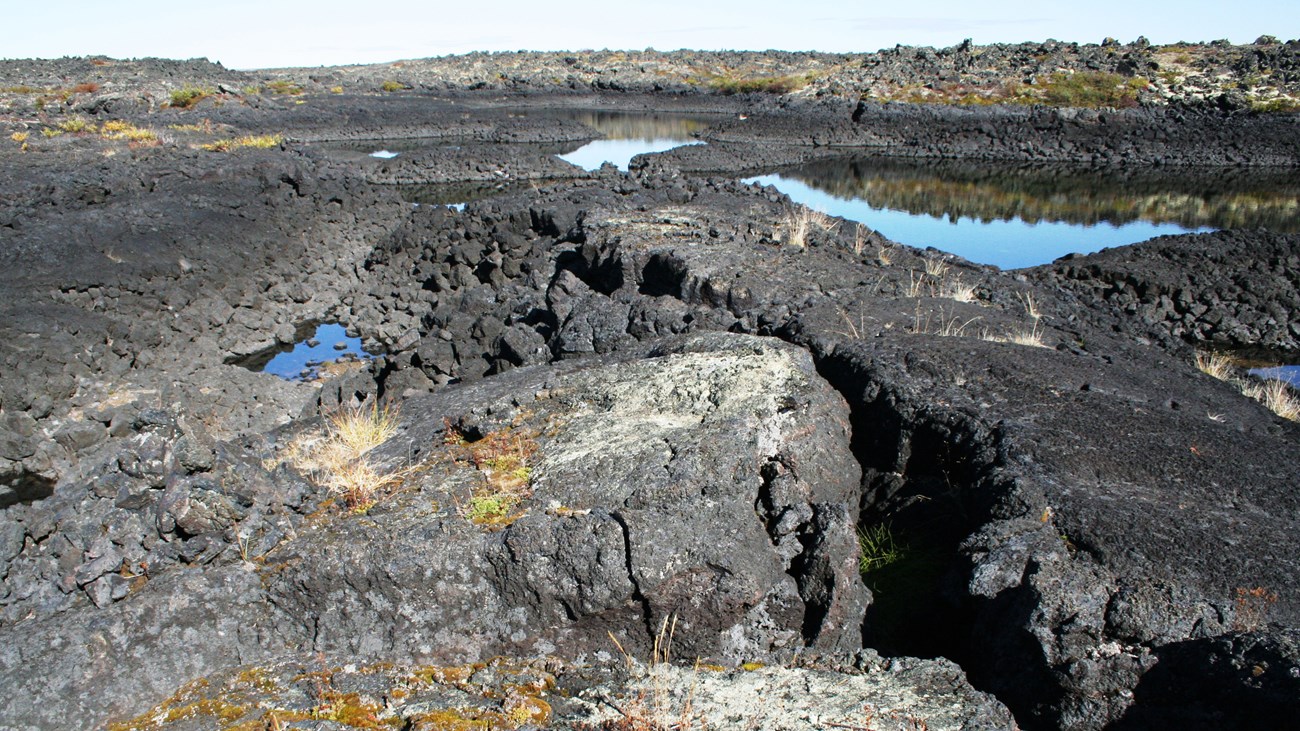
[1019, 216]
[327, 343]
[627, 135]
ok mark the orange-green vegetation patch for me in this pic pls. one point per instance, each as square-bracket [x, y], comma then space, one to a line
[205, 127]
[729, 85]
[282, 87]
[189, 96]
[504, 459]
[1091, 89]
[120, 130]
[1276, 105]
[255, 141]
[395, 696]
[192, 701]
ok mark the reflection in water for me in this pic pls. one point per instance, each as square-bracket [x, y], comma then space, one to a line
[318, 347]
[620, 152]
[1191, 198]
[639, 125]
[1016, 216]
[628, 135]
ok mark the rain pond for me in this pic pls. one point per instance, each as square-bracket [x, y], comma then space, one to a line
[319, 350]
[1018, 216]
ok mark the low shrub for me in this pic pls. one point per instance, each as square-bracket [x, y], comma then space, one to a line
[729, 85]
[287, 88]
[76, 125]
[1090, 89]
[393, 86]
[188, 97]
[1276, 105]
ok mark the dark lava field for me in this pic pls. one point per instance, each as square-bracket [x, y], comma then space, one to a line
[642, 445]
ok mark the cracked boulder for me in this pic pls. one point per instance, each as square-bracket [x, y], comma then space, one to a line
[705, 480]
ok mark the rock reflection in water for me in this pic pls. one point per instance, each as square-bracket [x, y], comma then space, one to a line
[628, 135]
[321, 350]
[1016, 215]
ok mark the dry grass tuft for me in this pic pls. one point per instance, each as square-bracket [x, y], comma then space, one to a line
[76, 125]
[936, 267]
[1216, 365]
[119, 130]
[1031, 307]
[859, 240]
[916, 284]
[958, 291]
[337, 461]
[802, 221]
[657, 709]
[1031, 338]
[1276, 397]
[947, 326]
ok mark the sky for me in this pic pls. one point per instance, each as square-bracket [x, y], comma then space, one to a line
[245, 34]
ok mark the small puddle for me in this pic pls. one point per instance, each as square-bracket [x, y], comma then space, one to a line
[384, 154]
[321, 351]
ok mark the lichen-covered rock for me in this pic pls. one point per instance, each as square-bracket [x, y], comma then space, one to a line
[659, 479]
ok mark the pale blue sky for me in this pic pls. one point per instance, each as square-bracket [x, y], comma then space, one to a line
[252, 34]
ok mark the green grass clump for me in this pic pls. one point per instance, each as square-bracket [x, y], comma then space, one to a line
[120, 130]
[76, 125]
[878, 548]
[1276, 105]
[188, 97]
[392, 86]
[287, 88]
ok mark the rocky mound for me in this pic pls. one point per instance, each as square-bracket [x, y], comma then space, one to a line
[1230, 290]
